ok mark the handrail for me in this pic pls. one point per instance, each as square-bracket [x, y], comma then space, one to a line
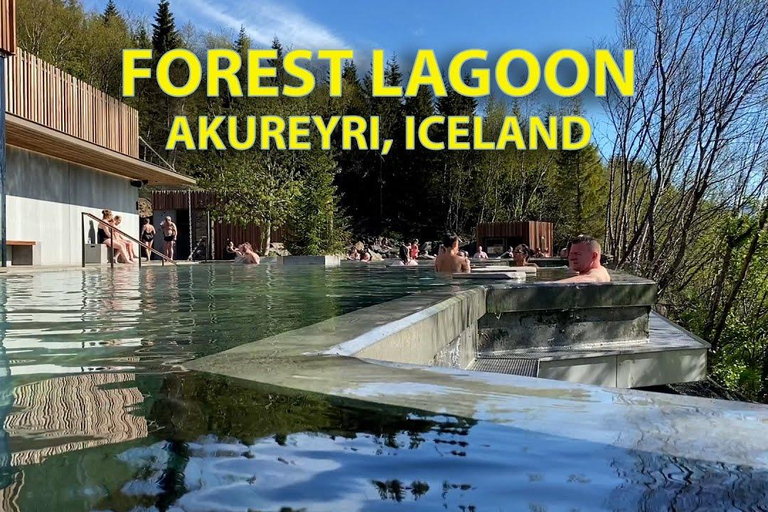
[112, 229]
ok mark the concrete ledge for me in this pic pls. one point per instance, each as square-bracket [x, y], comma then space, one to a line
[670, 355]
[561, 328]
[328, 261]
[695, 428]
[550, 262]
[444, 334]
[496, 274]
[623, 291]
[504, 268]
[97, 253]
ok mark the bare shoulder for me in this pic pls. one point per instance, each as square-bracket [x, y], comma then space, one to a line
[600, 275]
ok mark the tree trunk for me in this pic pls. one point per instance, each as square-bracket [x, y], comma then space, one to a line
[266, 237]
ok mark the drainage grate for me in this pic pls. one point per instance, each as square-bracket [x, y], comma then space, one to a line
[510, 366]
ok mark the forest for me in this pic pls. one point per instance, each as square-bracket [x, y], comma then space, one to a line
[676, 191]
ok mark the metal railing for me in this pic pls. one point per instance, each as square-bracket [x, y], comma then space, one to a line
[112, 230]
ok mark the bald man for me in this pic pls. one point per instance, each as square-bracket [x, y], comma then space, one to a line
[584, 258]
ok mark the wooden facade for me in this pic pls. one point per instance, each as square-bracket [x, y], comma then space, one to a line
[7, 27]
[47, 141]
[222, 232]
[502, 235]
[42, 93]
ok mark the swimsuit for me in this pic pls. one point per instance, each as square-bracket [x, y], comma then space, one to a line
[147, 236]
[102, 236]
[169, 238]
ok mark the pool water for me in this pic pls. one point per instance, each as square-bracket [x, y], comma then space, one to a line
[153, 319]
[98, 414]
[201, 443]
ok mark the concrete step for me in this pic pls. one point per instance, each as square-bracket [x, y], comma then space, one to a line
[669, 355]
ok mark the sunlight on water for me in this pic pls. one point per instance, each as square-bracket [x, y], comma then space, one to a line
[58, 322]
[97, 416]
[190, 442]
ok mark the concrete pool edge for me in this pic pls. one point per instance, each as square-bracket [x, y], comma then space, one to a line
[334, 357]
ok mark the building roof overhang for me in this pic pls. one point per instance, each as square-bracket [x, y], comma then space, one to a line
[41, 139]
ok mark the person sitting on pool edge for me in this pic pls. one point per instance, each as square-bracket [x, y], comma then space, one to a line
[584, 258]
[449, 260]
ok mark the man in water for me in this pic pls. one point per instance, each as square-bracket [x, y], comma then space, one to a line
[170, 232]
[481, 254]
[449, 260]
[248, 255]
[584, 258]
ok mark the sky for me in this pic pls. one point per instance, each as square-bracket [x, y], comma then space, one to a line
[402, 26]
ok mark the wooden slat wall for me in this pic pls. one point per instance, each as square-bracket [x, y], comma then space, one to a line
[222, 231]
[239, 234]
[8, 26]
[177, 200]
[540, 236]
[529, 232]
[41, 93]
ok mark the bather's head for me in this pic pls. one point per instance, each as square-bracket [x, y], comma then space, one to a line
[451, 242]
[404, 254]
[521, 253]
[584, 254]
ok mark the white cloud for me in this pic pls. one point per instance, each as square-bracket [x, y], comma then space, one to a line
[263, 20]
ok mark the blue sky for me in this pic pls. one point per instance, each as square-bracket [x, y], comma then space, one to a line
[403, 26]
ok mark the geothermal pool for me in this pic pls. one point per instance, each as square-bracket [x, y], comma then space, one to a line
[100, 413]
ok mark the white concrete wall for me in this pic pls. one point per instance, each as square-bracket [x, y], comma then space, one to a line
[46, 197]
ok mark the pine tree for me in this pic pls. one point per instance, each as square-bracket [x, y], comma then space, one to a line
[580, 183]
[243, 42]
[110, 12]
[349, 72]
[164, 34]
[141, 38]
[277, 63]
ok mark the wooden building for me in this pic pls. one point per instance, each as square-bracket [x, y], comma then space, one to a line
[497, 237]
[190, 209]
[66, 148]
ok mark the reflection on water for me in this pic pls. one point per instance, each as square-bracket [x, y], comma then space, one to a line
[217, 444]
[148, 320]
[124, 431]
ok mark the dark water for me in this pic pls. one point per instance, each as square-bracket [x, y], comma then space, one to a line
[197, 443]
[96, 415]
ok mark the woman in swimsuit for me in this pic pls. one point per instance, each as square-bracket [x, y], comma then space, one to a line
[147, 236]
[126, 243]
[104, 236]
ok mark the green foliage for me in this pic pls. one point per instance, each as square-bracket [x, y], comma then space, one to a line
[165, 37]
[315, 225]
[110, 12]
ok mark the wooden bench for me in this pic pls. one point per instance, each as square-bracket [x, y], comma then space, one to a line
[23, 252]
